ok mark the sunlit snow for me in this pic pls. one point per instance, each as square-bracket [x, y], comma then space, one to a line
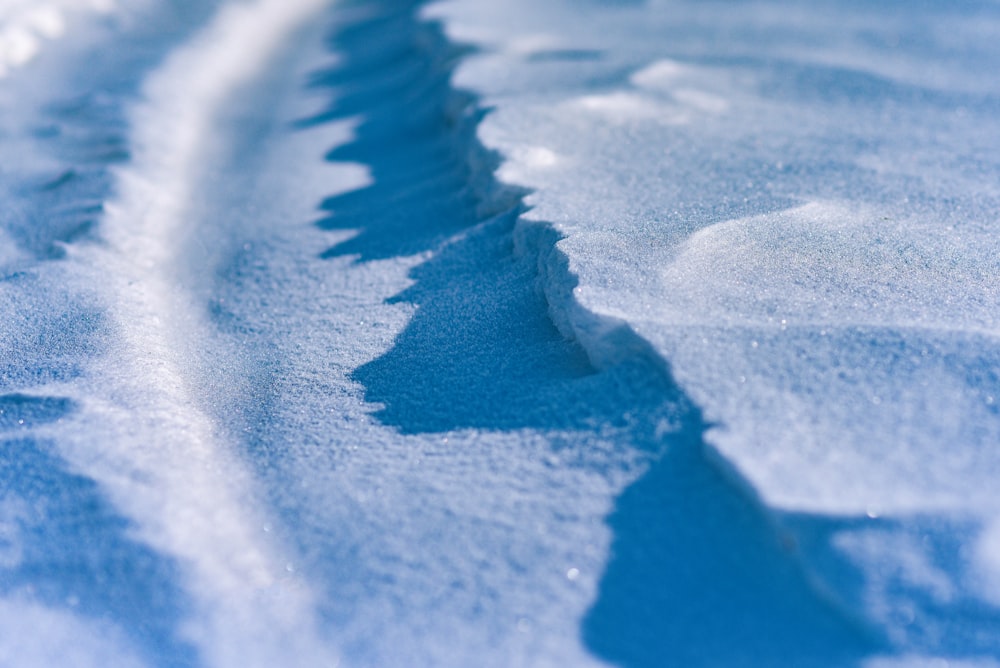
[467, 333]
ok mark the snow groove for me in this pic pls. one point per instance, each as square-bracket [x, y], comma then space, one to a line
[163, 461]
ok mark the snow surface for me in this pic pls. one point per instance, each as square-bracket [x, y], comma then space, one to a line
[795, 206]
[26, 25]
[381, 333]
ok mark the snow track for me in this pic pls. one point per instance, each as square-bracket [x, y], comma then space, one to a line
[144, 431]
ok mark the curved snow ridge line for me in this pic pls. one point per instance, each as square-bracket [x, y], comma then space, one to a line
[607, 340]
[145, 437]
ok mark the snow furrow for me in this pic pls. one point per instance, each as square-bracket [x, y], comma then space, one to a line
[145, 432]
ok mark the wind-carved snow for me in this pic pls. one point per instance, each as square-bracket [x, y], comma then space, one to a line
[785, 311]
[795, 207]
[720, 390]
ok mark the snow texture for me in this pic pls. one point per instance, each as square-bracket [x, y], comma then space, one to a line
[386, 333]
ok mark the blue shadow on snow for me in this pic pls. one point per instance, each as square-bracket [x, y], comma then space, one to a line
[700, 574]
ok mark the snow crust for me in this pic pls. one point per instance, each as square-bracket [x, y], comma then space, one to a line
[795, 206]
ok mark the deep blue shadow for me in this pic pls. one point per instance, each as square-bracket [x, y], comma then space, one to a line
[700, 575]
[414, 134]
[62, 544]
[700, 572]
[65, 547]
[481, 351]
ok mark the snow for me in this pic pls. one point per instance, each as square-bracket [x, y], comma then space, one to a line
[26, 26]
[795, 207]
[526, 333]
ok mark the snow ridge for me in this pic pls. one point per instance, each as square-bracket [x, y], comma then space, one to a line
[825, 303]
[482, 365]
[404, 434]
